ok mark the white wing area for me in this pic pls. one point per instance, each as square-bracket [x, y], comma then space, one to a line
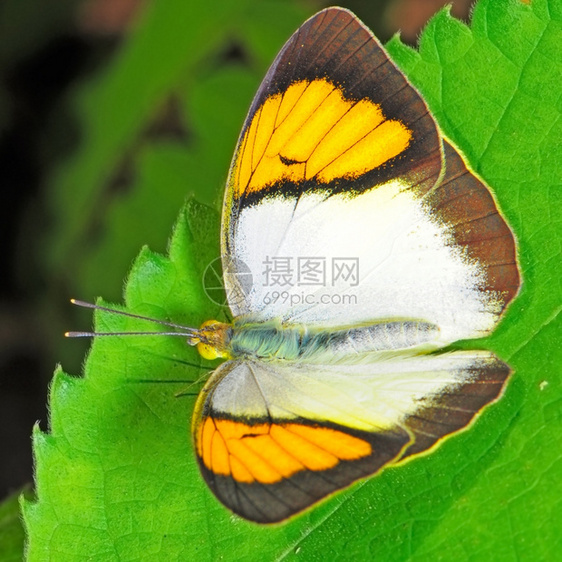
[371, 397]
[407, 262]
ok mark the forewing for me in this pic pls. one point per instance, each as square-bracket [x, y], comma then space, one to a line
[272, 439]
[340, 208]
[332, 115]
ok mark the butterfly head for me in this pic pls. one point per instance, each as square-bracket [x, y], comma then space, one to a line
[212, 339]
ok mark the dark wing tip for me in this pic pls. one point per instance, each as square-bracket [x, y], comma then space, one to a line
[467, 206]
[456, 407]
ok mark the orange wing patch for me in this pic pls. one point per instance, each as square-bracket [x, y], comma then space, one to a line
[312, 131]
[268, 453]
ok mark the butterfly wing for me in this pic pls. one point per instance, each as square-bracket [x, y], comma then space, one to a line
[273, 439]
[340, 167]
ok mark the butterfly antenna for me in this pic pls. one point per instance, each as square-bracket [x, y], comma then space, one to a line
[183, 331]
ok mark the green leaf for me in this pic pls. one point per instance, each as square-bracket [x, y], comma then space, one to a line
[116, 475]
[12, 533]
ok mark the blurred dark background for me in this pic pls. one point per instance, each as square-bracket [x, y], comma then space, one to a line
[99, 109]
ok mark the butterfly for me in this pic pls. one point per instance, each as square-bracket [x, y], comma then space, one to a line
[356, 245]
[340, 167]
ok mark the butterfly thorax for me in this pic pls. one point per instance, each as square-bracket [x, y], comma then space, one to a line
[275, 341]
